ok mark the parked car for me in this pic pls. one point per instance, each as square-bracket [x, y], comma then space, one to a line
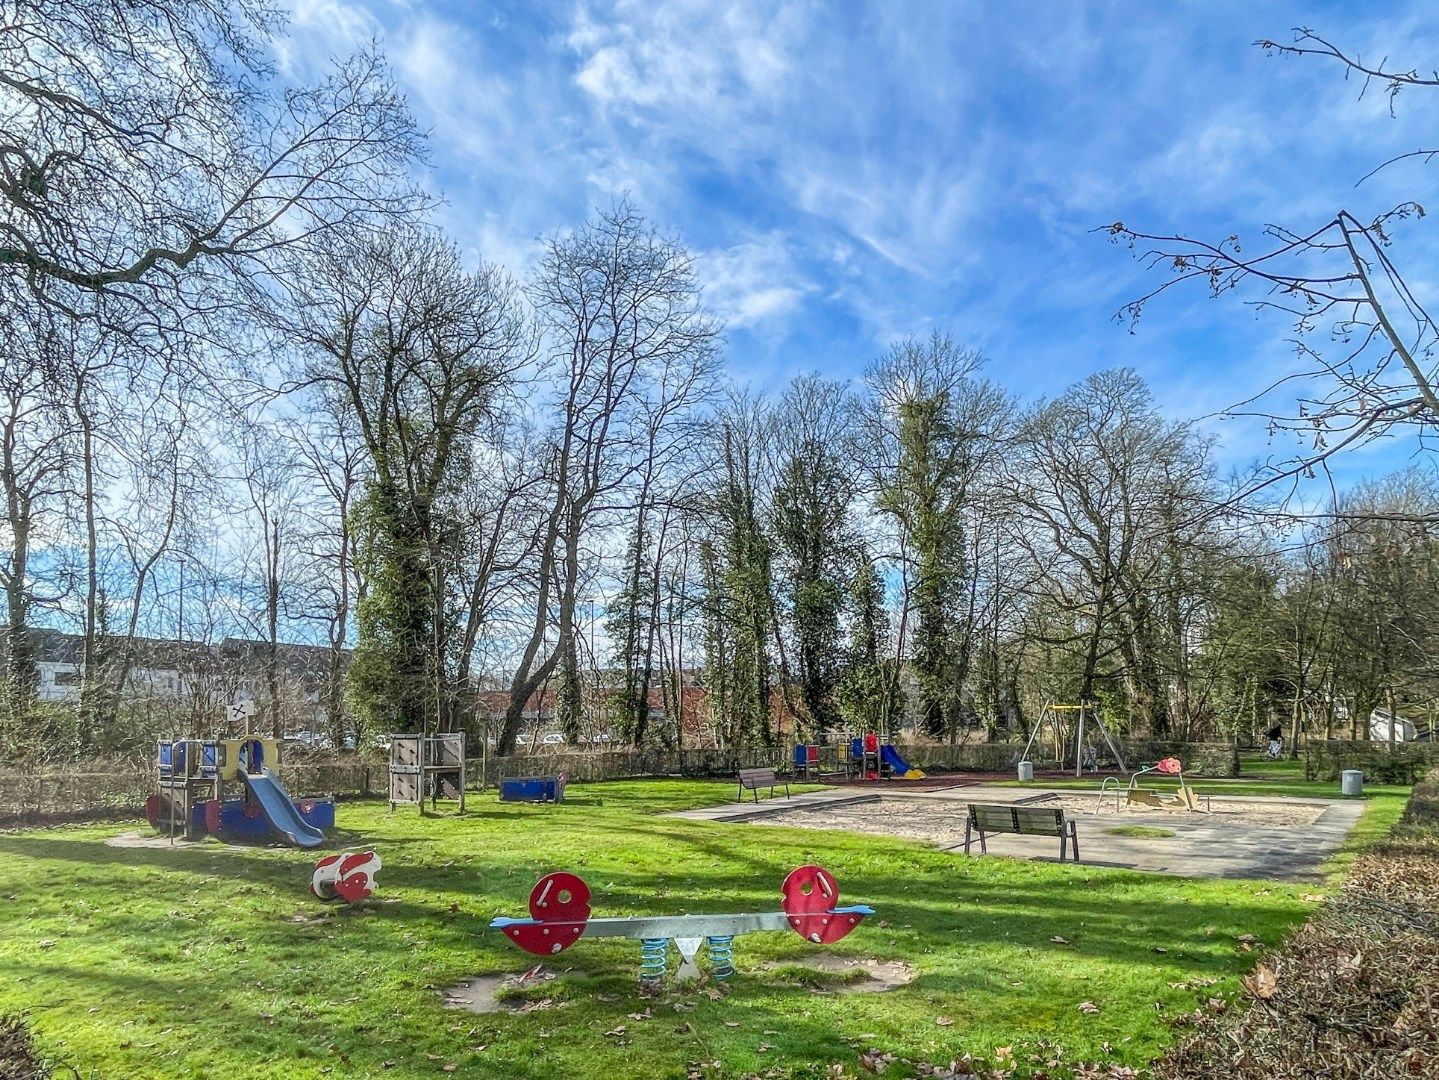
[554, 738]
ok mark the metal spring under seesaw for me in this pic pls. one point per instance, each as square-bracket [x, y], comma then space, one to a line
[652, 958]
[721, 955]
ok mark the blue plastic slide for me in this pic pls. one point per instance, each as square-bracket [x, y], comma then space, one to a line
[897, 764]
[279, 810]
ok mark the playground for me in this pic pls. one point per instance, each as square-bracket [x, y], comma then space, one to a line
[200, 958]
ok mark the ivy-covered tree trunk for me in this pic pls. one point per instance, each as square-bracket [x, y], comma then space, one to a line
[388, 681]
[869, 696]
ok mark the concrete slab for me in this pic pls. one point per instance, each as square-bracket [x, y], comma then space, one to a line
[752, 811]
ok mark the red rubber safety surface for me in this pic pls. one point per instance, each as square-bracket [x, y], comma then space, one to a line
[561, 904]
[809, 893]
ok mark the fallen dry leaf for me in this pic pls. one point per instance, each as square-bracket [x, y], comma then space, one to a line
[1263, 983]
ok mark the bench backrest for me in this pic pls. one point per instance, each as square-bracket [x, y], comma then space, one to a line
[1026, 820]
[751, 777]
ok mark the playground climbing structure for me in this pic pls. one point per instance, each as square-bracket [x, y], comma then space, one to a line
[228, 788]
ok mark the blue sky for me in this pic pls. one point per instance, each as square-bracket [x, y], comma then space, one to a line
[848, 174]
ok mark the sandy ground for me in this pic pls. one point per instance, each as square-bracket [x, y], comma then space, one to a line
[942, 822]
[1221, 811]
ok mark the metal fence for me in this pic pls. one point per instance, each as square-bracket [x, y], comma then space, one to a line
[119, 787]
[592, 766]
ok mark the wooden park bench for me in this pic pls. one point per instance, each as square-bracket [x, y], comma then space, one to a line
[1022, 821]
[754, 779]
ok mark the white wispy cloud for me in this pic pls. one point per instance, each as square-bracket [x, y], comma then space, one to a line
[753, 282]
[851, 174]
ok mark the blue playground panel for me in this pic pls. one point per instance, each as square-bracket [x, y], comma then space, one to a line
[533, 789]
[236, 818]
[172, 758]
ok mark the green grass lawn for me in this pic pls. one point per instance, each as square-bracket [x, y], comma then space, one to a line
[210, 960]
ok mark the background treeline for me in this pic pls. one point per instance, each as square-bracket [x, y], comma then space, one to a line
[250, 390]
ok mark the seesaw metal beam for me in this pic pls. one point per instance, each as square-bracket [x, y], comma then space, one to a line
[675, 926]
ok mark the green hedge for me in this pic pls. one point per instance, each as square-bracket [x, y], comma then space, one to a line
[1405, 764]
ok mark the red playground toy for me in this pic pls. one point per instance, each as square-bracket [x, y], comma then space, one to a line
[345, 877]
[560, 916]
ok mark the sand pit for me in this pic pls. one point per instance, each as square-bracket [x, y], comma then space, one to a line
[941, 822]
[1236, 812]
[1254, 837]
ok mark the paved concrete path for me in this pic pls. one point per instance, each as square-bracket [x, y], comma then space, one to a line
[748, 810]
[1202, 846]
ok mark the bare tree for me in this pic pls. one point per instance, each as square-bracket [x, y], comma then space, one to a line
[147, 151]
[621, 310]
[335, 460]
[37, 459]
[1363, 332]
[412, 349]
[1094, 475]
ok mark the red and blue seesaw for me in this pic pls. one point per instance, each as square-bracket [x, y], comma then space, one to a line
[560, 916]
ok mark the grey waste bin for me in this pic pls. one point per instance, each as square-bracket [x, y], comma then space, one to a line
[1351, 782]
[1026, 770]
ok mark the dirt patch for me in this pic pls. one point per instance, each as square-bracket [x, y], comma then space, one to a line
[847, 974]
[1140, 832]
[147, 840]
[481, 994]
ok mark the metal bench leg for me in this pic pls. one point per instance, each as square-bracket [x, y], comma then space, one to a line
[1063, 844]
[966, 837]
[1074, 837]
[983, 846]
